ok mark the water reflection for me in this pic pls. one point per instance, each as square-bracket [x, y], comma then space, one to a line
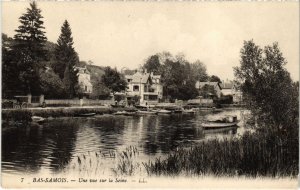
[52, 146]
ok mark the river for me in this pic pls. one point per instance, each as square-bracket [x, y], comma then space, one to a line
[56, 145]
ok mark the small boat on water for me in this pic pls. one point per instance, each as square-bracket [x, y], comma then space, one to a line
[120, 113]
[146, 112]
[163, 111]
[38, 119]
[229, 121]
[85, 114]
[191, 111]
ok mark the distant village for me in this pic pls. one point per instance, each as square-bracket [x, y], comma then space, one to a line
[148, 88]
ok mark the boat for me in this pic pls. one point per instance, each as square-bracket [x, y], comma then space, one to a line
[37, 119]
[130, 113]
[192, 111]
[146, 112]
[120, 113]
[85, 114]
[229, 121]
[163, 111]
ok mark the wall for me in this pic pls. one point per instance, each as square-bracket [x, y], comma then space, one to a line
[76, 102]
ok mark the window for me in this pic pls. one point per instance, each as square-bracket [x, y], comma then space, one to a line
[85, 88]
[136, 88]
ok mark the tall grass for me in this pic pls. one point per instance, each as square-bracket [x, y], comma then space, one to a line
[252, 155]
[108, 163]
[127, 162]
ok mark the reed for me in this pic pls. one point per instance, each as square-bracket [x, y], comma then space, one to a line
[252, 155]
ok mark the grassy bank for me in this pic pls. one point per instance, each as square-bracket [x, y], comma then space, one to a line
[25, 114]
[252, 155]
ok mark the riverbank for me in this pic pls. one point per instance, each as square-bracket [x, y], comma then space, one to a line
[24, 115]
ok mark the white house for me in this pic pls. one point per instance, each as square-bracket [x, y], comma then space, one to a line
[145, 85]
[84, 80]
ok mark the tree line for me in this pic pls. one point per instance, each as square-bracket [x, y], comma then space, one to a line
[178, 75]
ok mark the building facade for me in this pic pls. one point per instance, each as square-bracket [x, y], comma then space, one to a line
[84, 80]
[146, 86]
[216, 85]
[230, 88]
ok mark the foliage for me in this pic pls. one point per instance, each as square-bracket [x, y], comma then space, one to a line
[10, 82]
[66, 59]
[114, 80]
[253, 155]
[178, 74]
[227, 99]
[267, 86]
[214, 78]
[270, 94]
[28, 49]
[52, 86]
[199, 71]
[153, 65]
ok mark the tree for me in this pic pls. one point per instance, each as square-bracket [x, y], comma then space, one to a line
[66, 59]
[214, 78]
[114, 80]
[28, 49]
[52, 86]
[269, 90]
[10, 82]
[199, 71]
[153, 65]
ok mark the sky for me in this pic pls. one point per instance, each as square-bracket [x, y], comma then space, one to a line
[125, 34]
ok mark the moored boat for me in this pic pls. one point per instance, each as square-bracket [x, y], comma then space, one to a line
[146, 112]
[37, 119]
[229, 121]
[163, 111]
[119, 113]
[191, 111]
[85, 114]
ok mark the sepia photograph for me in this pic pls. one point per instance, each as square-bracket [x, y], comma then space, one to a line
[150, 94]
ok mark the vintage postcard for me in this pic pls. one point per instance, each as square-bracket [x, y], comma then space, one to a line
[150, 94]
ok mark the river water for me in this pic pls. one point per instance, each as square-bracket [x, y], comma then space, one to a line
[56, 145]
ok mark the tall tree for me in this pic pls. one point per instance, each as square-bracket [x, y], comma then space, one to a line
[114, 80]
[152, 64]
[267, 86]
[29, 52]
[66, 59]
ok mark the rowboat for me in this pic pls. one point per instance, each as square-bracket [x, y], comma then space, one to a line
[162, 111]
[146, 112]
[228, 121]
[218, 124]
[120, 113]
[189, 111]
[85, 114]
[37, 119]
